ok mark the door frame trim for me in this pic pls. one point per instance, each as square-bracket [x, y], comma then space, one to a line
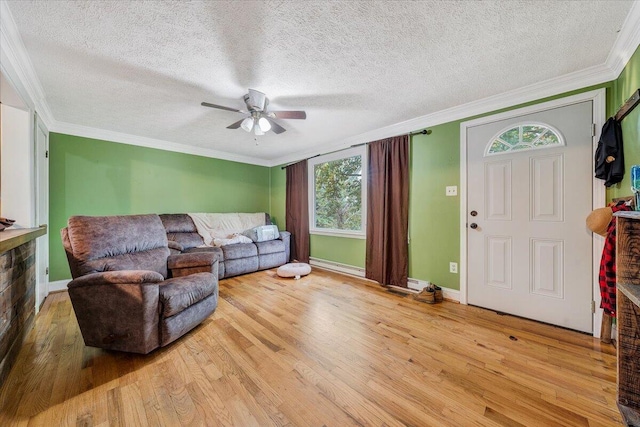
[598, 98]
[41, 179]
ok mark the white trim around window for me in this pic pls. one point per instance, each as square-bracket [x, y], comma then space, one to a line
[343, 154]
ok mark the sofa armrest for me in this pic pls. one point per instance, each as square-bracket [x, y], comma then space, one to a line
[175, 246]
[285, 236]
[191, 263]
[118, 310]
[134, 277]
[191, 259]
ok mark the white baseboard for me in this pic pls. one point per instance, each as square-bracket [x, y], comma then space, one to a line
[416, 284]
[413, 284]
[447, 293]
[58, 285]
[337, 266]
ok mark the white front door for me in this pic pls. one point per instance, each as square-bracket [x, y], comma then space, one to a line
[529, 190]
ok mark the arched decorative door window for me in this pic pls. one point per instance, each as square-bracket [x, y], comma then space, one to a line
[523, 137]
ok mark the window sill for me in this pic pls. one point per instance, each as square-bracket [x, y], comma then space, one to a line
[336, 233]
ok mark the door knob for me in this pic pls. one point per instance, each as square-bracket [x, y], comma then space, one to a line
[473, 225]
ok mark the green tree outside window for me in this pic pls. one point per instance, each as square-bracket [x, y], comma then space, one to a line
[338, 194]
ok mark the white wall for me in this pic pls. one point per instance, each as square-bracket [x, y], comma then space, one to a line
[8, 95]
[16, 166]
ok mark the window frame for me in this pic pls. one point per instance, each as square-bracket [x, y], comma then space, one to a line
[343, 154]
[558, 134]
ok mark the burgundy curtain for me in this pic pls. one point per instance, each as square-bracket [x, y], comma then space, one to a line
[297, 220]
[387, 259]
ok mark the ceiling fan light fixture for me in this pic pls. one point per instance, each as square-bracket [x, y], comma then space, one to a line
[264, 124]
[257, 117]
[247, 124]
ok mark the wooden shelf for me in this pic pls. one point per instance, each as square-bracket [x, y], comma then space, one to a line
[628, 313]
[628, 214]
[631, 291]
[12, 238]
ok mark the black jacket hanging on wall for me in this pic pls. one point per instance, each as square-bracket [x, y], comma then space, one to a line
[609, 154]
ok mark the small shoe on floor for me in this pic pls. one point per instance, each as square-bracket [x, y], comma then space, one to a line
[437, 293]
[426, 295]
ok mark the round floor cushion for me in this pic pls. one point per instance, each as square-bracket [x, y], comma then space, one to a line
[294, 269]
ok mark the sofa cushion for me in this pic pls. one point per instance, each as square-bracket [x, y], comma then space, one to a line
[153, 260]
[192, 259]
[110, 243]
[270, 247]
[93, 237]
[178, 223]
[181, 229]
[235, 267]
[212, 249]
[183, 292]
[172, 328]
[186, 240]
[272, 260]
[175, 246]
[240, 250]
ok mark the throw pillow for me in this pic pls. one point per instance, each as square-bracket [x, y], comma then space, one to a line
[262, 233]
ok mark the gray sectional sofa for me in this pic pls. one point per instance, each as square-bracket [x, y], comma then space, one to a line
[142, 281]
[233, 260]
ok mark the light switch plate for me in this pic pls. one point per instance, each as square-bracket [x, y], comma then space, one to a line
[452, 190]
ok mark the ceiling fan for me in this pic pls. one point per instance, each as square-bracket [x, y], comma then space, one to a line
[259, 119]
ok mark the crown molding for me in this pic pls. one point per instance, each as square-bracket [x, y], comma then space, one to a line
[627, 41]
[16, 63]
[572, 81]
[141, 141]
[624, 47]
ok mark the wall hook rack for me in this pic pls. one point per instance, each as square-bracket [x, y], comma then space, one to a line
[628, 106]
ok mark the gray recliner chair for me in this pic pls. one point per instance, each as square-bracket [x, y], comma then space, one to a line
[122, 293]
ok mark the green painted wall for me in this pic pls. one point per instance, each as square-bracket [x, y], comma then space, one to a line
[434, 238]
[101, 178]
[624, 86]
[93, 177]
[434, 219]
[339, 249]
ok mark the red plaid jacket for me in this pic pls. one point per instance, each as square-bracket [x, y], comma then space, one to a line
[608, 265]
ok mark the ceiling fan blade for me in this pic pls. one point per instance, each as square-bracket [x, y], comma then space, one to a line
[221, 107]
[276, 128]
[289, 114]
[235, 125]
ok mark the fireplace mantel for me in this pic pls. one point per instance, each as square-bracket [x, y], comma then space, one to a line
[14, 237]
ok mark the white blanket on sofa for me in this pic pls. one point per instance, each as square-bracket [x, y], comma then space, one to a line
[219, 229]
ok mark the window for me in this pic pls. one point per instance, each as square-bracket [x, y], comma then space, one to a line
[528, 136]
[337, 193]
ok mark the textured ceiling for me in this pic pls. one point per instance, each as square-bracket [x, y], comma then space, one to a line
[142, 68]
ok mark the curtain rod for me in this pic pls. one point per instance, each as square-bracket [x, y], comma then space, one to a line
[420, 132]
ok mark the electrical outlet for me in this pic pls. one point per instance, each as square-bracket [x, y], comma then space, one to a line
[452, 190]
[453, 267]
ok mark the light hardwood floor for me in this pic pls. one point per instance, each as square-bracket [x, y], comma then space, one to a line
[324, 350]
